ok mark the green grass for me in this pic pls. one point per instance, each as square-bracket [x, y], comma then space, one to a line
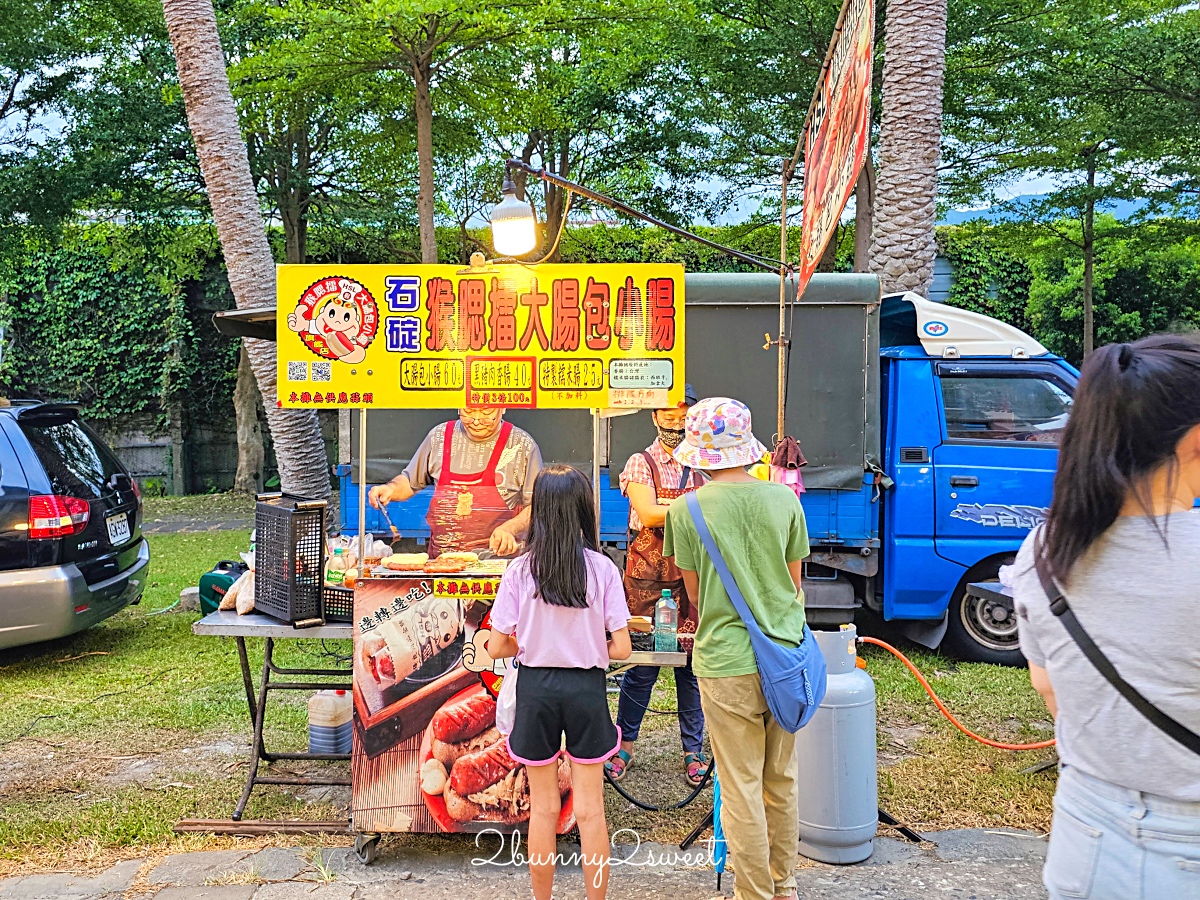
[74, 711]
[199, 506]
[144, 686]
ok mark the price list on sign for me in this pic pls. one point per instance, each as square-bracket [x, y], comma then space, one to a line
[554, 336]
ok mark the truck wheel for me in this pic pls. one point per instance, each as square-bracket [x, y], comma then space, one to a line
[982, 630]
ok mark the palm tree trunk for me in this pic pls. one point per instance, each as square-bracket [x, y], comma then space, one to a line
[423, 109]
[251, 453]
[1089, 258]
[902, 241]
[864, 201]
[212, 117]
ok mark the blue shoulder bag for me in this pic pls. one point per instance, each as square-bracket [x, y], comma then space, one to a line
[793, 678]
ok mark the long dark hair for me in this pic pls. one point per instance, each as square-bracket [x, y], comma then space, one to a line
[562, 525]
[1134, 404]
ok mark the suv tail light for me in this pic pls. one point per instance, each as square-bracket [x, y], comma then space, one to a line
[52, 516]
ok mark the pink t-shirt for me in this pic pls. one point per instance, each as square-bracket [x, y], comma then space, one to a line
[561, 637]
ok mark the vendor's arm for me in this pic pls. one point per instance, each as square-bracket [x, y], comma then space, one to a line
[416, 475]
[395, 491]
[501, 646]
[645, 503]
[505, 539]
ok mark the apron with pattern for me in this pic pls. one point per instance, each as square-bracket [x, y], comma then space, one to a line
[647, 572]
[466, 509]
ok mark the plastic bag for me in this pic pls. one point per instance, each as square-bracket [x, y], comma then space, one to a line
[1006, 576]
[245, 597]
[229, 601]
[506, 701]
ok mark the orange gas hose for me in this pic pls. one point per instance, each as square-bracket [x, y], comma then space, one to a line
[1040, 745]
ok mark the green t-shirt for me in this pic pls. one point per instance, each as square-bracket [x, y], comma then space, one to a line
[759, 528]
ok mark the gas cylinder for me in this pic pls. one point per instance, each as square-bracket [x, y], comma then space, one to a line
[839, 808]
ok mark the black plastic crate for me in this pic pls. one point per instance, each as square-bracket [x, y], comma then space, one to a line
[289, 557]
[339, 603]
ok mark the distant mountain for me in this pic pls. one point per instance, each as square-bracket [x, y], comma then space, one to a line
[1122, 209]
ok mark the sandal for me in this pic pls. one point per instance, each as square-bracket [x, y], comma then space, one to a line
[618, 766]
[697, 768]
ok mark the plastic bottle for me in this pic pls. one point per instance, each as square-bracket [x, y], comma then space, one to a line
[335, 569]
[329, 728]
[666, 624]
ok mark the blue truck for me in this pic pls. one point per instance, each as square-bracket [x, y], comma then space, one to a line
[931, 434]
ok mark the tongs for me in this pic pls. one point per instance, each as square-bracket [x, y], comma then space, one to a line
[395, 531]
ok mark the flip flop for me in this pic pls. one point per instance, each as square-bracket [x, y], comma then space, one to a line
[618, 766]
[697, 768]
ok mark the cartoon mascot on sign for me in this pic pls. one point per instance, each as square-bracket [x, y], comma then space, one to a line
[337, 320]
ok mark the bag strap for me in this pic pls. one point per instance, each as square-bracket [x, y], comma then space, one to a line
[653, 472]
[684, 478]
[718, 561]
[1062, 609]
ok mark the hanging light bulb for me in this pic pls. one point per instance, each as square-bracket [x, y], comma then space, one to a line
[514, 231]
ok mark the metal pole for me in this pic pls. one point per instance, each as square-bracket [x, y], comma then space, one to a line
[596, 466]
[576, 188]
[781, 382]
[362, 486]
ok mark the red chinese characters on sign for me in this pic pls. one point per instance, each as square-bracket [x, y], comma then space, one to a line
[472, 334]
[503, 319]
[630, 320]
[660, 298]
[534, 300]
[439, 301]
[564, 330]
[597, 332]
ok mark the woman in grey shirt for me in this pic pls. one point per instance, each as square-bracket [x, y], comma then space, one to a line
[1123, 543]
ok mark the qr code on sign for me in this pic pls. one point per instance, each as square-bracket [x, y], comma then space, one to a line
[322, 371]
[297, 371]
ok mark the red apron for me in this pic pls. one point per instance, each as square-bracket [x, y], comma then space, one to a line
[647, 572]
[466, 509]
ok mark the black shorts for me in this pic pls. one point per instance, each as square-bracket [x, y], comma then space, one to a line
[554, 702]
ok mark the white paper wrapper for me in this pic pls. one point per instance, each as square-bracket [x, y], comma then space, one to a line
[413, 637]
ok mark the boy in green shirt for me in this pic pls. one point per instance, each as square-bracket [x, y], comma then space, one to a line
[759, 528]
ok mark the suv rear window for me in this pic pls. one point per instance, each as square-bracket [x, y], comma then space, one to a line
[78, 463]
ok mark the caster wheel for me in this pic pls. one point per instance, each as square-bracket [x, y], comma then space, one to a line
[365, 846]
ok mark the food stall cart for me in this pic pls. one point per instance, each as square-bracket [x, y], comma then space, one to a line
[426, 756]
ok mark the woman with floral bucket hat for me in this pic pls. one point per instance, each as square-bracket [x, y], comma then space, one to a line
[759, 528]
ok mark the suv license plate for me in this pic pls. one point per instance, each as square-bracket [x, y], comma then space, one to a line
[118, 529]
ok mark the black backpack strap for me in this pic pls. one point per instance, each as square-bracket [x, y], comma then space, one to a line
[1062, 609]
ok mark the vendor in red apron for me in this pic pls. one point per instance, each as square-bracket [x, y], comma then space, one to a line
[483, 470]
[651, 480]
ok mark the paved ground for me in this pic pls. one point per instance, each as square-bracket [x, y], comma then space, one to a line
[963, 865]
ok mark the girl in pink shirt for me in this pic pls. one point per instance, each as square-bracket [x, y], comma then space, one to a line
[552, 611]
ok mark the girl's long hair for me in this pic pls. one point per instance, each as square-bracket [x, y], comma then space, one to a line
[1133, 405]
[562, 526]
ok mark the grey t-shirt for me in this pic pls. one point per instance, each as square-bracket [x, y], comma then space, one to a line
[1139, 600]
[520, 461]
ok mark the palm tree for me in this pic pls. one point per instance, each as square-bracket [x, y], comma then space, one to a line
[212, 118]
[902, 241]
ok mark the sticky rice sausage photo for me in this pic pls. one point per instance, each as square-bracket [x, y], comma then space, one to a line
[464, 719]
[476, 772]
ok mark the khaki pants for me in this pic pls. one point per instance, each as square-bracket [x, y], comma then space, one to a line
[756, 764]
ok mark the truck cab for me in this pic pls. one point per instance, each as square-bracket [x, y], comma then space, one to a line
[972, 412]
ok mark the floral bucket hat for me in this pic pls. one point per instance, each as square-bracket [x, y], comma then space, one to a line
[718, 436]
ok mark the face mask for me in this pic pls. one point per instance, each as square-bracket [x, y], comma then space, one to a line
[670, 437]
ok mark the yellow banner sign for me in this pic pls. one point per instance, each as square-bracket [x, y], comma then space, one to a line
[444, 337]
